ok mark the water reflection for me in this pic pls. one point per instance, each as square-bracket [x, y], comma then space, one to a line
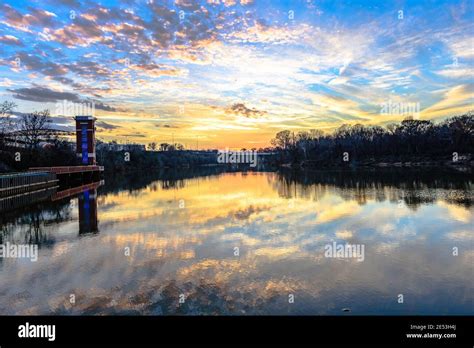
[26, 218]
[413, 187]
[183, 230]
[88, 212]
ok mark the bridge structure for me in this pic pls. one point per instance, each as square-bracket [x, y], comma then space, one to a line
[19, 138]
[39, 132]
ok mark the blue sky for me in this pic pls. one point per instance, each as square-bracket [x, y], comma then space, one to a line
[233, 73]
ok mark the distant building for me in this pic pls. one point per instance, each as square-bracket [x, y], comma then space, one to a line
[121, 147]
[134, 147]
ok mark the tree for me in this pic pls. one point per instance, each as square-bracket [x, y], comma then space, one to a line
[6, 110]
[315, 134]
[409, 140]
[34, 127]
[461, 130]
[304, 142]
[152, 146]
[282, 140]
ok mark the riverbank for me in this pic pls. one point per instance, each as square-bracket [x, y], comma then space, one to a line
[462, 163]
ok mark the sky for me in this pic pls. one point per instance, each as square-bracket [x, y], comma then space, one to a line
[217, 74]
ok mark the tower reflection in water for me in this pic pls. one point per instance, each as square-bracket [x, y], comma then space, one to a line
[88, 212]
[87, 201]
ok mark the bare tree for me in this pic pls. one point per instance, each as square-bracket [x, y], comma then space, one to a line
[171, 147]
[6, 110]
[34, 127]
[315, 134]
[282, 140]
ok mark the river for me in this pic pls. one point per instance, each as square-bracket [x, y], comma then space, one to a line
[247, 243]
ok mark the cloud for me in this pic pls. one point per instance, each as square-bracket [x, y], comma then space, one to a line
[36, 63]
[262, 33]
[88, 68]
[166, 126]
[455, 101]
[106, 126]
[10, 40]
[134, 135]
[457, 72]
[153, 69]
[241, 109]
[6, 82]
[82, 32]
[462, 46]
[36, 17]
[102, 106]
[43, 94]
[344, 234]
[67, 3]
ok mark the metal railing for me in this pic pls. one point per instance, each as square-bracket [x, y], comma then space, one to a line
[69, 169]
[16, 183]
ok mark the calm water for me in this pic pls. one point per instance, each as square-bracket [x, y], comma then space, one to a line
[183, 234]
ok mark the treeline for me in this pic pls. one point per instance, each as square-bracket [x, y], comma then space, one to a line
[62, 154]
[126, 161]
[165, 147]
[57, 153]
[407, 141]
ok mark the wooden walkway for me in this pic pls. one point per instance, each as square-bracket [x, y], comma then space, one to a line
[68, 169]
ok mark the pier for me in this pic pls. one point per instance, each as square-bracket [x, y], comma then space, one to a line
[12, 184]
[68, 169]
[72, 174]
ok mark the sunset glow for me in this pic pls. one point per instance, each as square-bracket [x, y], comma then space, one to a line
[216, 73]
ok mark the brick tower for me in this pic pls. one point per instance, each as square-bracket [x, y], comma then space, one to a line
[85, 139]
